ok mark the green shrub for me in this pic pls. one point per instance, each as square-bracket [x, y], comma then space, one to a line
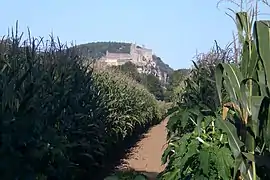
[58, 117]
[197, 149]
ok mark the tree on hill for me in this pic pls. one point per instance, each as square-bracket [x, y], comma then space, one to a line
[131, 70]
[153, 84]
[175, 81]
[177, 77]
[98, 49]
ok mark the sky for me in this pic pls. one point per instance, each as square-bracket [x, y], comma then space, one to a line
[175, 30]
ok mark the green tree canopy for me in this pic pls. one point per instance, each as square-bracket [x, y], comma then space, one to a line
[150, 81]
[131, 70]
[153, 84]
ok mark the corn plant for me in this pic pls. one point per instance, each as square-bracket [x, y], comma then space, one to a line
[245, 111]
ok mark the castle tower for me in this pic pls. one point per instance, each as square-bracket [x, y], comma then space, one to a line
[132, 48]
[133, 53]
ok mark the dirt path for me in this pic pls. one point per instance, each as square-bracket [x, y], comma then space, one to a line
[146, 155]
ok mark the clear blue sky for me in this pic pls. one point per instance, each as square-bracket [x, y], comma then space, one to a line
[173, 29]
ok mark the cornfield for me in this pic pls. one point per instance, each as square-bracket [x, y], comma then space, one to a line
[59, 118]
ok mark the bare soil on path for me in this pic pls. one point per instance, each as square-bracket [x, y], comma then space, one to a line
[146, 155]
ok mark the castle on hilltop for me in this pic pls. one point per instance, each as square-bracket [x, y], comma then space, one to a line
[140, 56]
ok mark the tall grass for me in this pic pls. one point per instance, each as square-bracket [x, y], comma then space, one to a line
[59, 118]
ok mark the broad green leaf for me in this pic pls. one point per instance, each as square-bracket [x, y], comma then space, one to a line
[219, 79]
[199, 121]
[235, 77]
[185, 117]
[262, 82]
[232, 82]
[165, 155]
[204, 160]
[172, 174]
[182, 148]
[249, 156]
[239, 165]
[253, 61]
[245, 58]
[174, 120]
[191, 151]
[245, 95]
[224, 162]
[230, 90]
[230, 129]
[262, 36]
[255, 109]
[242, 24]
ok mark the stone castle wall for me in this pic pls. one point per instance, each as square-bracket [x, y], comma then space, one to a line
[140, 56]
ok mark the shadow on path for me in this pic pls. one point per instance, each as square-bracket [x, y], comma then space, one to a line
[119, 153]
[132, 173]
[140, 153]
